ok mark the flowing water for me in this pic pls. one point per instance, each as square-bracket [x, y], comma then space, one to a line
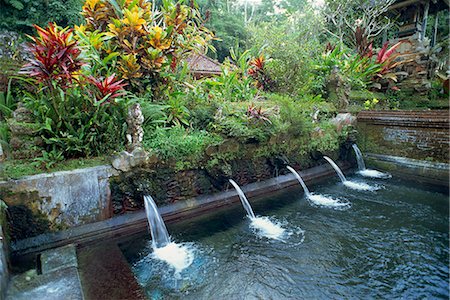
[362, 166]
[391, 244]
[317, 199]
[300, 180]
[160, 236]
[359, 158]
[177, 256]
[355, 185]
[244, 200]
[263, 225]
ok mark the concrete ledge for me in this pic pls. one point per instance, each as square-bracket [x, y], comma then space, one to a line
[433, 173]
[59, 278]
[136, 222]
[66, 198]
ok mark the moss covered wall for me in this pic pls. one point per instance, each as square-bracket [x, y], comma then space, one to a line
[166, 184]
[422, 135]
[54, 201]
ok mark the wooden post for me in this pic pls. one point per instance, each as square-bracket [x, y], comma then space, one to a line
[425, 20]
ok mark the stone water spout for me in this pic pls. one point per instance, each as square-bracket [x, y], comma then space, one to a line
[160, 236]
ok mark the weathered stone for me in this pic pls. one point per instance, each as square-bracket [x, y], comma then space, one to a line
[211, 149]
[4, 253]
[22, 128]
[59, 258]
[337, 89]
[135, 133]
[343, 119]
[412, 134]
[229, 146]
[125, 161]
[122, 162]
[23, 132]
[58, 200]
[139, 157]
[60, 284]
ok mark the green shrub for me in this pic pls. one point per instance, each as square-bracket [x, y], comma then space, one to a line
[73, 122]
[20, 15]
[179, 143]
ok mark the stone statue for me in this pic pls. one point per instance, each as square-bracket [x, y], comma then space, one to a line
[337, 89]
[135, 132]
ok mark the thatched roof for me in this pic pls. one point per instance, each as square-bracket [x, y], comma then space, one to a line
[202, 66]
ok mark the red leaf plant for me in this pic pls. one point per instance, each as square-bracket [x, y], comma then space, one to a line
[257, 114]
[257, 72]
[109, 86]
[55, 56]
[385, 56]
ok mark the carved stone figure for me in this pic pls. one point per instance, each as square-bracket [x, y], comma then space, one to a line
[135, 132]
[337, 89]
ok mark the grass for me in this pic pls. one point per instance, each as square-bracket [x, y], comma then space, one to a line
[13, 169]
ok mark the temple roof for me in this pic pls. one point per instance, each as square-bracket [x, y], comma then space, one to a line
[435, 5]
[202, 66]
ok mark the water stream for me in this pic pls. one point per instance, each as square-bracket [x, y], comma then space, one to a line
[263, 225]
[317, 199]
[362, 166]
[350, 184]
[244, 200]
[178, 256]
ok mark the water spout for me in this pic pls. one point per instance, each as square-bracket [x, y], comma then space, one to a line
[160, 236]
[302, 183]
[320, 200]
[362, 167]
[359, 158]
[263, 225]
[178, 256]
[336, 168]
[244, 200]
[351, 184]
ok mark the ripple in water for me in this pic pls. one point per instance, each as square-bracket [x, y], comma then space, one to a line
[189, 266]
[322, 200]
[265, 227]
[374, 174]
[275, 230]
[178, 256]
[360, 186]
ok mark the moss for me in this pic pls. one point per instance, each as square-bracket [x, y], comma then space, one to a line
[23, 223]
[18, 168]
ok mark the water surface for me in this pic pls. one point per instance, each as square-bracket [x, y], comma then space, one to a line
[390, 243]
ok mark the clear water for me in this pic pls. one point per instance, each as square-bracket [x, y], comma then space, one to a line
[391, 243]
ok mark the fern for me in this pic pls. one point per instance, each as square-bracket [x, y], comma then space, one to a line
[16, 4]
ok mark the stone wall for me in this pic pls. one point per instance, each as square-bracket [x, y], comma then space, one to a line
[50, 202]
[412, 144]
[4, 252]
[413, 74]
[421, 135]
[166, 185]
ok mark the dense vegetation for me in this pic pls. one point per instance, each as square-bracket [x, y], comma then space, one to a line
[83, 74]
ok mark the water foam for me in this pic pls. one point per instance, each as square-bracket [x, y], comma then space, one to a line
[329, 201]
[374, 174]
[178, 256]
[360, 186]
[265, 227]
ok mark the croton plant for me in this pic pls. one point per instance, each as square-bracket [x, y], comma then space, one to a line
[138, 42]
